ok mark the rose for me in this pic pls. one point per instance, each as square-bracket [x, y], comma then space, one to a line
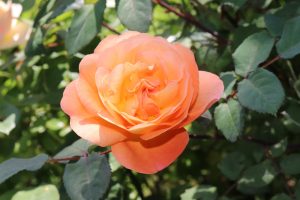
[13, 32]
[135, 93]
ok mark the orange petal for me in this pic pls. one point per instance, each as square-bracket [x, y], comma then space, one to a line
[191, 64]
[88, 95]
[86, 125]
[211, 89]
[151, 156]
[113, 40]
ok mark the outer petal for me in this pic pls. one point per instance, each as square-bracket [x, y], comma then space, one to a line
[153, 155]
[211, 89]
[17, 35]
[86, 125]
[5, 18]
[113, 40]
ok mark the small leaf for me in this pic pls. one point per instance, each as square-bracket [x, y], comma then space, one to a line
[232, 165]
[261, 92]
[290, 164]
[203, 192]
[229, 80]
[45, 192]
[278, 149]
[14, 165]
[289, 44]
[258, 175]
[281, 196]
[9, 117]
[254, 50]
[229, 119]
[35, 44]
[88, 178]
[78, 148]
[85, 26]
[234, 3]
[135, 14]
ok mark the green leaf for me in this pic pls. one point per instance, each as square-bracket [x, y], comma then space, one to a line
[85, 26]
[290, 164]
[9, 117]
[14, 165]
[229, 119]
[289, 44]
[281, 196]
[261, 92]
[229, 80]
[88, 178]
[78, 148]
[278, 149]
[203, 192]
[297, 190]
[234, 3]
[35, 44]
[254, 50]
[258, 175]
[45, 192]
[232, 165]
[275, 21]
[135, 14]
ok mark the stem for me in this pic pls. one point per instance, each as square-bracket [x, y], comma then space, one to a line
[189, 18]
[135, 183]
[110, 28]
[57, 160]
[271, 61]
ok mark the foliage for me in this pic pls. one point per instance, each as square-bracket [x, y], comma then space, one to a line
[248, 150]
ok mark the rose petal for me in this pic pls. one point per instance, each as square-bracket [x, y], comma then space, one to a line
[113, 40]
[86, 125]
[188, 56]
[153, 155]
[211, 89]
[17, 35]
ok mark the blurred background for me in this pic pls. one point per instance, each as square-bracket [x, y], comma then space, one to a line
[260, 161]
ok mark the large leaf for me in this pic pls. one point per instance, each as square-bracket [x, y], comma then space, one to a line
[203, 192]
[232, 165]
[261, 92]
[281, 196]
[85, 26]
[229, 119]
[254, 50]
[289, 44]
[14, 165]
[290, 164]
[88, 178]
[135, 14]
[258, 175]
[45, 192]
[275, 21]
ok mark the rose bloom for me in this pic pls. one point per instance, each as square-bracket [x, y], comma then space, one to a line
[136, 93]
[13, 32]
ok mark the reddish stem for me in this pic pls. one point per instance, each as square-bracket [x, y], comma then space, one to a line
[270, 62]
[110, 28]
[189, 18]
[57, 160]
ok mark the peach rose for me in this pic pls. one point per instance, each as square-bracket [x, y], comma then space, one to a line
[136, 93]
[13, 32]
